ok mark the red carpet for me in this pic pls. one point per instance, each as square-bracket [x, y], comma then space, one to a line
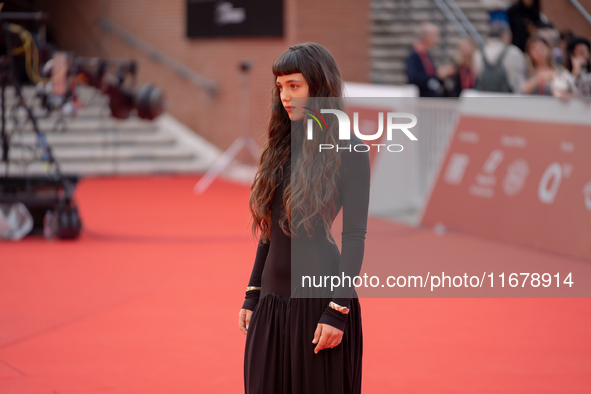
[146, 301]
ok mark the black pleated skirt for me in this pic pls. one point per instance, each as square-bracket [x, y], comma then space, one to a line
[279, 354]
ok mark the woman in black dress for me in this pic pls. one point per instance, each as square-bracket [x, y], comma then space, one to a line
[305, 339]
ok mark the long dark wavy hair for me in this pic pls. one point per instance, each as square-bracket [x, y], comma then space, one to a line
[570, 48]
[309, 197]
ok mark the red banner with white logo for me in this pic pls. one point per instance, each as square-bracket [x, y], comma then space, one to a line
[517, 180]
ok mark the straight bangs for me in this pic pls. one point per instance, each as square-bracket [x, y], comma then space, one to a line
[287, 63]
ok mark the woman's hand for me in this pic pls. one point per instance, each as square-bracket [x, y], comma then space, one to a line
[541, 77]
[446, 71]
[545, 75]
[244, 320]
[327, 337]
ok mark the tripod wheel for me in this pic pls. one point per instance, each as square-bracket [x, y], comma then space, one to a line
[69, 223]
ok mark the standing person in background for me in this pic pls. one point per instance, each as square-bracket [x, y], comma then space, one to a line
[578, 62]
[545, 77]
[420, 68]
[512, 63]
[464, 78]
[552, 37]
[525, 17]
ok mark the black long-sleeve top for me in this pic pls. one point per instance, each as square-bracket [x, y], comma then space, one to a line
[272, 268]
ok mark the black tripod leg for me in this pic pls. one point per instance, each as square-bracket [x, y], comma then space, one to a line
[17, 87]
[68, 189]
[3, 131]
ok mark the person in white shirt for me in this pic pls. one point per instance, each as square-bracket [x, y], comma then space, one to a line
[545, 77]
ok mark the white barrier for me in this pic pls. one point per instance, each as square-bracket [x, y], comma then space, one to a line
[356, 89]
[389, 171]
[401, 181]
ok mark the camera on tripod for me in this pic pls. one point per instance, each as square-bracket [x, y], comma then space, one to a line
[49, 197]
[120, 86]
[115, 78]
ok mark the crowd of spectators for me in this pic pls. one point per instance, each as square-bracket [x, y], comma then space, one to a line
[523, 54]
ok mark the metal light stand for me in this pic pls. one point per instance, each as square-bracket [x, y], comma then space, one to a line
[239, 143]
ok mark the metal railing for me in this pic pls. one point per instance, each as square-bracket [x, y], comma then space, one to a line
[415, 172]
[438, 120]
[464, 27]
[465, 22]
[180, 69]
[582, 10]
[458, 27]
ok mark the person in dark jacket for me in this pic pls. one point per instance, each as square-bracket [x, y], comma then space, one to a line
[420, 68]
[525, 18]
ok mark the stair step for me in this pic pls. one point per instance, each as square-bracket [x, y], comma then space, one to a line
[406, 41]
[84, 155]
[113, 168]
[465, 5]
[98, 139]
[388, 66]
[86, 125]
[388, 53]
[409, 28]
[384, 52]
[388, 78]
[424, 16]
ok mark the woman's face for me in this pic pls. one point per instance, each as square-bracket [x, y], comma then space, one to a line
[293, 85]
[466, 50]
[539, 53]
[581, 51]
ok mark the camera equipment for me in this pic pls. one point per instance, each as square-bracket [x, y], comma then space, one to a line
[148, 100]
[115, 78]
[33, 191]
[49, 198]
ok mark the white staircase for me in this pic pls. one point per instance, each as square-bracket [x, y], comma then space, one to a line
[393, 24]
[94, 143]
